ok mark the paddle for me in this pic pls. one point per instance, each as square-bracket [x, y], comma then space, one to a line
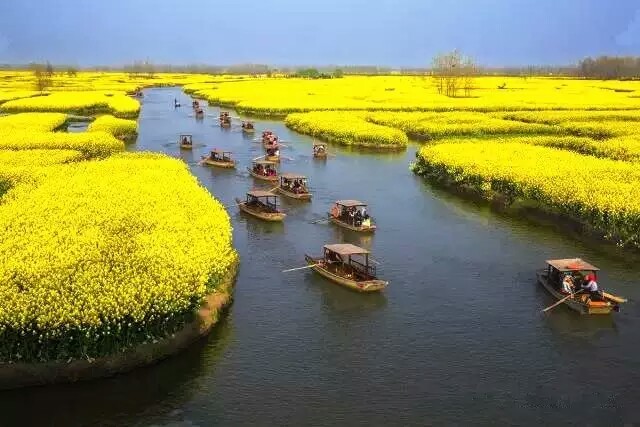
[259, 157]
[561, 301]
[300, 268]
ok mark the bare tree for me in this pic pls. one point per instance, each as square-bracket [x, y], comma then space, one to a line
[469, 71]
[41, 76]
[49, 69]
[452, 71]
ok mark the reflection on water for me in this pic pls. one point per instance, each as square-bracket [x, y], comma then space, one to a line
[156, 391]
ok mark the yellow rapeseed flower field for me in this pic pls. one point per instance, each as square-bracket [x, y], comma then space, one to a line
[86, 102]
[346, 128]
[102, 255]
[120, 128]
[605, 194]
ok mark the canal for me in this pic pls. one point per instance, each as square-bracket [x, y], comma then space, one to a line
[457, 337]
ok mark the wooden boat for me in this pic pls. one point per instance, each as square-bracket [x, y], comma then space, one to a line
[551, 278]
[185, 141]
[225, 119]
[219, 158]
[261, 204]
[338, 265]
[287, 182]
[199, 111]
[273, 158]
[270, 146]
[247, 127]
[257, 166]
[319, 151]
[339, 215]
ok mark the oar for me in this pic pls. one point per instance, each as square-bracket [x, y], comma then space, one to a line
[288, 158]
[300, 268]
[259, 157]
[561, 301]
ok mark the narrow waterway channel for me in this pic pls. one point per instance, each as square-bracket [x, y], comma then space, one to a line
[457, 337]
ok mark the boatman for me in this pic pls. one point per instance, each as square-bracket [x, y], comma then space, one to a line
[590, 285]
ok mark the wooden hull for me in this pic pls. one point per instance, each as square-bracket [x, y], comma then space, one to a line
[245, 130]
[225, 124]
[579, 302]
[320, 156]
[218, 164]
[272, 159]
[186, 146]
[266, 216]
[343, 224]
[262, 177]
[303, 196]
[374, 285]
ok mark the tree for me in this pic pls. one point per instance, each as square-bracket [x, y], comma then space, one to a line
[338, 73]
[49, 69]
[453, 71]
[469, 71]
[72, 72]
[41, 76]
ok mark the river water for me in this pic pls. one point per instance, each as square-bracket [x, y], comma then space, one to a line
[457, 337]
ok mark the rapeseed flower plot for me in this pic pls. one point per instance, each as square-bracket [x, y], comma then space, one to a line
[603, 193]
[346, 128]
[120, 128]
[117, 103]
[99, 256]
[432, 125]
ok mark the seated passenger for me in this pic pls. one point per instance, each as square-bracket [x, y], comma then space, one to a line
[567, 284]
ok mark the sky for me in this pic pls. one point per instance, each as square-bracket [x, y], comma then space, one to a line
[397, 33]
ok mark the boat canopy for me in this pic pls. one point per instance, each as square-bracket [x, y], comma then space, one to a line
[288, 176]
[571, 264]
[220, 152]
[185, 135]
[346, 249]
[260, 193]
[264, 162]
[350, 203]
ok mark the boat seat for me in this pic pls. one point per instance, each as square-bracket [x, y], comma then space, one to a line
[598, 304]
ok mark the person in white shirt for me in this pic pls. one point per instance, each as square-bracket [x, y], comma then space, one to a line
[567, 284]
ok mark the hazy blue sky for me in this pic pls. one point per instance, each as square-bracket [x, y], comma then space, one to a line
[289, 32]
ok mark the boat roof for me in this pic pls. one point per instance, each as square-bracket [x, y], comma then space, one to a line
[350, 203]
[185, 134]
[292, 176]
[571, 264]
[260, 193]
[264, 162]
[220, 151]
[318, 144]
[346, 249]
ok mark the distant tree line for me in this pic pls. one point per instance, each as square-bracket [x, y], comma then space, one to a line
[452, 71]
[610, 67]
